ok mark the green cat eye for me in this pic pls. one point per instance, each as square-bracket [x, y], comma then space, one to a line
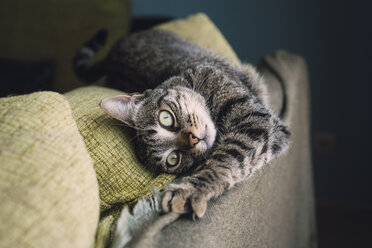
[166, 118]
[173, 159]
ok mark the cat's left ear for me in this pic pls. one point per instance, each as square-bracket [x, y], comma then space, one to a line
[122, 107]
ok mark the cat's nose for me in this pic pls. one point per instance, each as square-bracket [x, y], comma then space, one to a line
[193, 140]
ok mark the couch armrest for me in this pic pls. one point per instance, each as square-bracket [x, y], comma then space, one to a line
[276, 207]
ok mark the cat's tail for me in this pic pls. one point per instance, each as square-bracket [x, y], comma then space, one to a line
[82, 66]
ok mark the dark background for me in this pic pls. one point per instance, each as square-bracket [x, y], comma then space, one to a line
[335, 39]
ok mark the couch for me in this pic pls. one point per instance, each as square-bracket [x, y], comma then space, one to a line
[67, 169]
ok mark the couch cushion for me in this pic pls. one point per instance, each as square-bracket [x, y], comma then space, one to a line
[48, 188]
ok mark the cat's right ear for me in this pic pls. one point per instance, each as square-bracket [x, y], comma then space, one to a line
[122, 107]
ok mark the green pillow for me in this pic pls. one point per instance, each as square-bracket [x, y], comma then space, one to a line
[121, 178]
[48, 188]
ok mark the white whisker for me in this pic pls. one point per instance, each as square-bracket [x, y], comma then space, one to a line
[133, 138]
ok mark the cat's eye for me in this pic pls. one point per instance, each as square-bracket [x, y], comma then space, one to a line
[173, 159]
[166, 118]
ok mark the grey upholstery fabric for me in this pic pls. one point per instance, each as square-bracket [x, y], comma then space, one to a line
[275, 208]
[275, 87]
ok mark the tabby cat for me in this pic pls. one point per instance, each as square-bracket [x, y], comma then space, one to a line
[198, 114]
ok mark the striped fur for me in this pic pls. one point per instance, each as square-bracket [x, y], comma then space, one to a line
[221, 104]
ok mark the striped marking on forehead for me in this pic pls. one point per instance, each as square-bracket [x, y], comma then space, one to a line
[185, 100]
[160, 100]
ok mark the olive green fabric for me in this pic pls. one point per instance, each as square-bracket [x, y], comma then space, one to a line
[121, 178]
[48, 188]
[55, 29]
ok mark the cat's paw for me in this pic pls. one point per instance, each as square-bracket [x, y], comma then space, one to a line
[184, 198]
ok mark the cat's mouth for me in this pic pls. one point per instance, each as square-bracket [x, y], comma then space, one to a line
[205, 143]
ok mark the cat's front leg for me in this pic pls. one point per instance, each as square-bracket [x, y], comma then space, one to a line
[240, 152]
[194, 192]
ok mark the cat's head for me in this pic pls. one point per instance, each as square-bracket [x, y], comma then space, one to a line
[174, 127]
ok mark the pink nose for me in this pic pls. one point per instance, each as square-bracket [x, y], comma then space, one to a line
[193, 140]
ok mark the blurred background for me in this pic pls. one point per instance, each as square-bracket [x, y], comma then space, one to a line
[333, 36]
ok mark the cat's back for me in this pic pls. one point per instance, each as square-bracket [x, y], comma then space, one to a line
[145, 59]
[156, 45]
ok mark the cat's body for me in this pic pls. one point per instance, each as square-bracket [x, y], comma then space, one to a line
[203, 112]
